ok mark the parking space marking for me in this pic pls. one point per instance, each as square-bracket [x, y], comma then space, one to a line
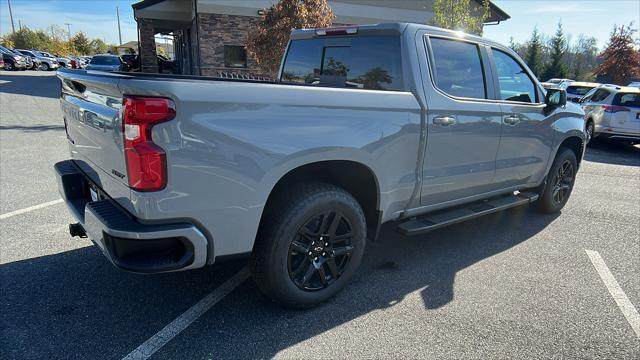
[162, 337]
[627, 308]
[30, 208]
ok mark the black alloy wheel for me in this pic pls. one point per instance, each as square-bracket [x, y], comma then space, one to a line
[563, 182]
[320, 251]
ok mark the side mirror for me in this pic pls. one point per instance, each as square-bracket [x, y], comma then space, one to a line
[576, 100]
[555, 98]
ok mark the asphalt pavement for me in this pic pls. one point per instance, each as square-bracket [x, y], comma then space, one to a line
[515, 284]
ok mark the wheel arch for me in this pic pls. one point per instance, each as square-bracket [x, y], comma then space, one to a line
[355, 177]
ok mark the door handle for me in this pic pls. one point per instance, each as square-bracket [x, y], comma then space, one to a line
[444, 120]
[511, 119]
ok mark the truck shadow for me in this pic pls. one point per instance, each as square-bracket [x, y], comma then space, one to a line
[613, 153]
[76, 303]
[19, 83]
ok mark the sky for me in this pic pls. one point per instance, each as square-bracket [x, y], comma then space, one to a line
[97, 18]
[589, 17]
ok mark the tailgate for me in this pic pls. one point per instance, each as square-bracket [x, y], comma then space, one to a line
[626, 121]
[91, 106]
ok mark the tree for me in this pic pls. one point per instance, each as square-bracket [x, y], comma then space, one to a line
[557, 67]
[584, 57]
[534, 53]
[620, 60]
[80, 43]
[26, 38]
[266, 45]
[98, 47]
[460, 15]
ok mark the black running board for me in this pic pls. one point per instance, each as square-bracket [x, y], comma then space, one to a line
[444, 218]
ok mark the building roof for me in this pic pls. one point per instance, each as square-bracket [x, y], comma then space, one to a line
[496, 13]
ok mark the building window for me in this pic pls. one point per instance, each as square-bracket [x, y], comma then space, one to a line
[235, 56]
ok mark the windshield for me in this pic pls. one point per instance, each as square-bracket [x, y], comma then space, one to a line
[105, 60]
[579, 90]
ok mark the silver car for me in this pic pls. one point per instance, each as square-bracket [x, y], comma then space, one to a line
[612, 112]
[577, 89]
[107, 62]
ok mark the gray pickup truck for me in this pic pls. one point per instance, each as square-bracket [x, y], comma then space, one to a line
[391, 122]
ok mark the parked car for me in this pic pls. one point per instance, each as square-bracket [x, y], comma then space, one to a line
[577, 89]
[46, 63]
[1, 63]
[107, 63]
[34, 63]
[612, 112]
[172, 173]
[12, 60]
[635, 84]
[563, 83]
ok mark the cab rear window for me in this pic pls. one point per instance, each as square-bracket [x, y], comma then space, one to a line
[372, 63]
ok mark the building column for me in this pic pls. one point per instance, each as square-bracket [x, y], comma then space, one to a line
[147, 46]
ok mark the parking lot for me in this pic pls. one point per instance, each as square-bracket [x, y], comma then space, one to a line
[512, 285]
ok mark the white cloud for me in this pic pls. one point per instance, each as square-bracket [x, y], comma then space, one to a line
[41, 15]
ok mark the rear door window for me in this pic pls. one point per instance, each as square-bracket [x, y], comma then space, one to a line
[458, 68]
[515, 83]
[372, 63]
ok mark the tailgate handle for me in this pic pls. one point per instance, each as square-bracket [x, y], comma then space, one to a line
[78, 86]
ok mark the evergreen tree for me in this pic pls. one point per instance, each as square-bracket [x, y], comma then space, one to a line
[534, 53]
[556, 68]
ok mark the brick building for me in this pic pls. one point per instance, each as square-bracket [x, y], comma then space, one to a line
[209, 35]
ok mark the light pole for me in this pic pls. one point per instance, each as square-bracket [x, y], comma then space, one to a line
[68, 29]
[119, 31]
[13, 27]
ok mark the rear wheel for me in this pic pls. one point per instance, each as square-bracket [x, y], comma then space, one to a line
[560, 182]
[8, 65]
[310, 244]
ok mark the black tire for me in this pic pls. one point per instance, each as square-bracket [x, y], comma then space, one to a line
[276, 259]
[8, 65]
[45, 67]
[589, 131]
[560, 181]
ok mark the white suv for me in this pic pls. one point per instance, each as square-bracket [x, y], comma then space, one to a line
[612, 112]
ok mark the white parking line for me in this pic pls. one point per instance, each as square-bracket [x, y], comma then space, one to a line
[627, 308]
[30, 208]
[162, 337]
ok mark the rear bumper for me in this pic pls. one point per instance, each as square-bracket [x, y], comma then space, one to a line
[125, 241]
[605, 132]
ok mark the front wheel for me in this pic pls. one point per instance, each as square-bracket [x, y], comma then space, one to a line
[560, 182]
[9, 66]
[45, 67]
[589, 130]
[309, 246]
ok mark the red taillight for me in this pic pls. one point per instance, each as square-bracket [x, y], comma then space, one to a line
[146, 161]
[614, 108]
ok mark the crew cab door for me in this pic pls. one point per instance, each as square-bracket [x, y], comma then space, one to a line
[463, 125]
[527, 132]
